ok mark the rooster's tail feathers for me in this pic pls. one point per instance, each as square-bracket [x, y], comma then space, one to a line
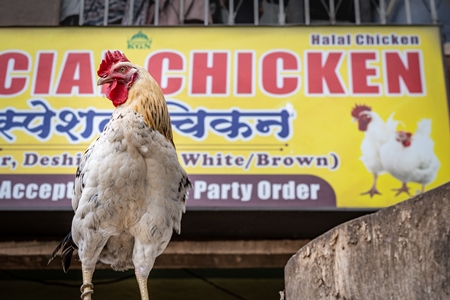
[66, 247]
[391, 124]
[424, 127]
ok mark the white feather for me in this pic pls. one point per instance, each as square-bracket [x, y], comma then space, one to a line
[129, 195]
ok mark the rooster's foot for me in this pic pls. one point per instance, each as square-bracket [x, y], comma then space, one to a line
[88, 292]
[373, 191]
[404, 189]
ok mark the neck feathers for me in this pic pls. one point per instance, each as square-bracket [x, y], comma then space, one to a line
[146, 98]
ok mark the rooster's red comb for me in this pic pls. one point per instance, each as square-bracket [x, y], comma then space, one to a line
[359, 109]
[111, 58]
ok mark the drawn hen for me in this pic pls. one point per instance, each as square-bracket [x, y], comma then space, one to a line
[410, 157]
[376, 133]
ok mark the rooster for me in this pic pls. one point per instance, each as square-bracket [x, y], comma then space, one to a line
[130, 190]
[411, 158]
[376, 133]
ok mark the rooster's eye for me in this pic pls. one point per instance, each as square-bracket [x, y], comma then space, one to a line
[122, 69]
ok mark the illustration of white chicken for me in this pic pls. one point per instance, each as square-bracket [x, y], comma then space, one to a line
[410, 157]
[376, 133]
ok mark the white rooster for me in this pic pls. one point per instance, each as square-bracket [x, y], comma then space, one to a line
[411, 158]
[376, 133]
[130, 189]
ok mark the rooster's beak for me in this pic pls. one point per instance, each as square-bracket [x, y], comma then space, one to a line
[103, 80]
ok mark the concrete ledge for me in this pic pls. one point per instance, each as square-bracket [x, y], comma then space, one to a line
[179, 254]
[401, 252]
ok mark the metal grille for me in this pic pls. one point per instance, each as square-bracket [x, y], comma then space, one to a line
[374, 11]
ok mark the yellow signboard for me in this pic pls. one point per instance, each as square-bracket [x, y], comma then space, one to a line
[294, 117]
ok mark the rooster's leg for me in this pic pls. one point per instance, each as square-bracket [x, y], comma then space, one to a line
[423, 189]
[144, 255]
[373, 190]
[89, 256]
[404, 189]
[142, 282]
[87, 288]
